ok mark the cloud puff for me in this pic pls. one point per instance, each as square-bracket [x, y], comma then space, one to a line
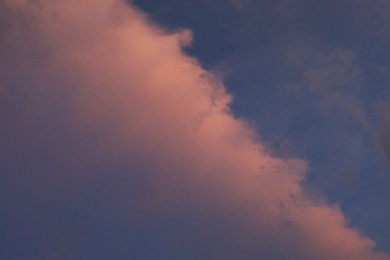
[99, 100]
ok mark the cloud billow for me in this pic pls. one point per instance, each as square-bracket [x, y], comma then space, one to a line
[117, 144]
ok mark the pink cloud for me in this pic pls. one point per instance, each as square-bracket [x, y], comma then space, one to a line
[129, 79]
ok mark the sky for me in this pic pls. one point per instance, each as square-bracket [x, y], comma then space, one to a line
[226, 129]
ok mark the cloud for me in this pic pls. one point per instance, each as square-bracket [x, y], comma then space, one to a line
[105, 114]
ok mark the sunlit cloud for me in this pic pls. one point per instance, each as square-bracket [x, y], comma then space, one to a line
[98, 87]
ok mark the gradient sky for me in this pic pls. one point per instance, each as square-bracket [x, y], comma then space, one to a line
[226, 129]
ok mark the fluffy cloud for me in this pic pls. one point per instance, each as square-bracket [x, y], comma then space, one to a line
[99, 100]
